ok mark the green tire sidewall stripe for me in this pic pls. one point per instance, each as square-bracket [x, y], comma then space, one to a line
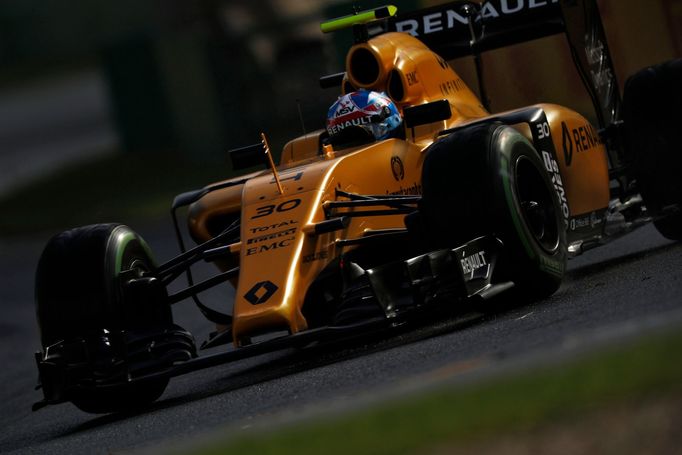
[122, 241]
[511, 205]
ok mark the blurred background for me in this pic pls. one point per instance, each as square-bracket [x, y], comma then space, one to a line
[109, 108]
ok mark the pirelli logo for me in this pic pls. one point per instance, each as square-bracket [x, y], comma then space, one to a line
[274, 235]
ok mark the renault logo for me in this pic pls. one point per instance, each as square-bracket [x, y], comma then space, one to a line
[260, 292]
[567, 143]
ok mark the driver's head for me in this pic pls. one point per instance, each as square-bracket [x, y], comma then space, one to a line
[363, 113]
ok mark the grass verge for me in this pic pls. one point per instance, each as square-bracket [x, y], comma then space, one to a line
[119, 187]
[457, 416]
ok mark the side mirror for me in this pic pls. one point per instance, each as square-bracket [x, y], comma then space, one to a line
[424, 114]
[249, 156]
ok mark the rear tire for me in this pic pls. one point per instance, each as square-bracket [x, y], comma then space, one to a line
[652, 111]
[489, 180]
[79, 291]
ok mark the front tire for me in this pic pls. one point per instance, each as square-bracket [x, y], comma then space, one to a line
[80, 292]
[489, 180]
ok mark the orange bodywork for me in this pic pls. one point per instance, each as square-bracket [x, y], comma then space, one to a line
[280, 255]
[582, 160]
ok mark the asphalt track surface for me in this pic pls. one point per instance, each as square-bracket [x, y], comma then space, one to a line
[626, 284]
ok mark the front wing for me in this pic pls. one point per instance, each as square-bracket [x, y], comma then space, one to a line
[403, 289]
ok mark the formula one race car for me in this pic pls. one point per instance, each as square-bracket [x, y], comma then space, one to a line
[415, 197]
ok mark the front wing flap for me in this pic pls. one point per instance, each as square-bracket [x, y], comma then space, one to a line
[444, 276]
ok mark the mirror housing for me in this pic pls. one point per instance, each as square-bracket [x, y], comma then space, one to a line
[424, 114]
[249, 156]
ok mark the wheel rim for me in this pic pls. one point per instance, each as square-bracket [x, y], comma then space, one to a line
[537, 206]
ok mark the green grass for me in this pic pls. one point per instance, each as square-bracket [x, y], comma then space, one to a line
[453, 416]
[120, 187]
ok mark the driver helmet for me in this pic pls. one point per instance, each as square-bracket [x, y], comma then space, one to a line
[366, 110]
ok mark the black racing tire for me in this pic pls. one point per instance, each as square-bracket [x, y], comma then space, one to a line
[79, 292]
[652, 113]
[489, 180]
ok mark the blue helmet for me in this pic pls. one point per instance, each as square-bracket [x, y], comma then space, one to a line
[372, 112]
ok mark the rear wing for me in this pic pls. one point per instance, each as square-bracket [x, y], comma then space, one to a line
[463, 28]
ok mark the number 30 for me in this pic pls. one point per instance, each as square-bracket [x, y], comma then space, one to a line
[282, 207]
[543, 130]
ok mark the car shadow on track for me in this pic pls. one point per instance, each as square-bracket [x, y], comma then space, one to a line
[593, 268]
[300, 360]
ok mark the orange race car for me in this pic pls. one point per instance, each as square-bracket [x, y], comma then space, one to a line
[415, 197]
